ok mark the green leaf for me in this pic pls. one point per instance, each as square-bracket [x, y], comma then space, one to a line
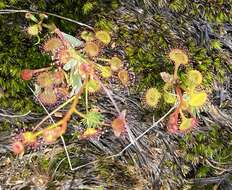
[185, 125]
[93, 119]
[197, 99]
[76, 83]
[72, 40]
[71, 64]
[169, 98]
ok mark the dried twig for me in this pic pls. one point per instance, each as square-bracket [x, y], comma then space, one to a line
[14, 116]
[11, 11]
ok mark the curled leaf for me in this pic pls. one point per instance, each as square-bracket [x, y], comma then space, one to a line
[119, 124]
[31, 17]
[123, 76]
[115, 63]
[166, 77]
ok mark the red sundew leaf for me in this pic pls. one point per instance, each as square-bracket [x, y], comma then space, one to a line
[119, 124]
[172, 125]
[17, 147]
[26, 74]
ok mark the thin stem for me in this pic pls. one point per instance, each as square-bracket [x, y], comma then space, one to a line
[86, 100]
[54, 111]
[128, 146]
[175, 71]
[103, 59]
[41, 70]
[11, 11]
[13, 116]
[110, 97]
[79, 113]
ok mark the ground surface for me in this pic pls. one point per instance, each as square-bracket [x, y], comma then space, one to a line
[144, 31]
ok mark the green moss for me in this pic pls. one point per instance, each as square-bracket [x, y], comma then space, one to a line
[147, 48]
[17, 53]
[115, 173]
[206, 146]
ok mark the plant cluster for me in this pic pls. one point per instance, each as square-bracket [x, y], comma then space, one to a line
[183, 93]
[78, 70]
